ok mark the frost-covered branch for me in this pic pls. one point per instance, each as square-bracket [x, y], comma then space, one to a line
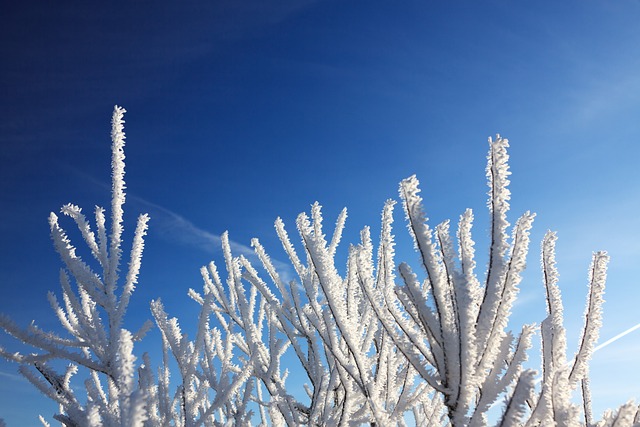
[92, 315]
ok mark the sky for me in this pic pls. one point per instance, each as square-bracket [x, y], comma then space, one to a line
[242, 111]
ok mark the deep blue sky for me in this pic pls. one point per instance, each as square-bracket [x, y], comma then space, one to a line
[242, 111]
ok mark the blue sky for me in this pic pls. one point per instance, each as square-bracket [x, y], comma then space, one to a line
[239, 112]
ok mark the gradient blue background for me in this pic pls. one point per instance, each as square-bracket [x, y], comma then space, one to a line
[242, 111]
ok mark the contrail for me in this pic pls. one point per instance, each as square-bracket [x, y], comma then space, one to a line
[604, 344]
[617, 337]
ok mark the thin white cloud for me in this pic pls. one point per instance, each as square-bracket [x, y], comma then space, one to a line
[616, 91]
[13, 377]
[172, 225]
[179, 229]
[176, 228]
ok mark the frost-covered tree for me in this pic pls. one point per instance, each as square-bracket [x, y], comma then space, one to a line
[379, 344]
[92, 315]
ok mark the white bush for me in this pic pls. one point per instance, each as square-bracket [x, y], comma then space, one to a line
[377, 345]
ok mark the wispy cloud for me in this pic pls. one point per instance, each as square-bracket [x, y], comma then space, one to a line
[171, 225]
[176, 228]
[615, 91]
[12, 377]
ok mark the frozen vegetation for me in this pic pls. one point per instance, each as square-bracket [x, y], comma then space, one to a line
[377, 345]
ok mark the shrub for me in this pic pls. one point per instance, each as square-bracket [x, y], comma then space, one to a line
[378, 346]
